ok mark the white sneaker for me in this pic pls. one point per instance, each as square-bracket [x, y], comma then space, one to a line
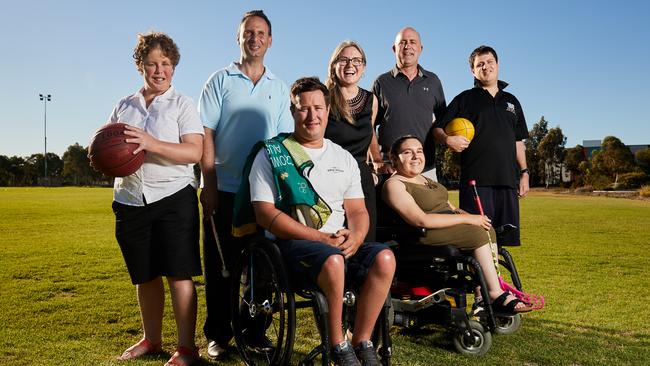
[215, 350]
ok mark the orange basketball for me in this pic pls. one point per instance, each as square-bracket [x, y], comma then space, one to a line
[460, 127]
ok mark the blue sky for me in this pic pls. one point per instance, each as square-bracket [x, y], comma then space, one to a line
[581, 64]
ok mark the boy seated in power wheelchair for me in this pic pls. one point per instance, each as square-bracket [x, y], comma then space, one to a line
[449, 256]
[305, 191]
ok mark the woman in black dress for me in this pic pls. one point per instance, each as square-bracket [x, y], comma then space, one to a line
[352, 118]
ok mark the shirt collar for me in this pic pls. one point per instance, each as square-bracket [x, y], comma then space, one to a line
[168, 94]
[500, 84]
[233, 69]
[396, 71]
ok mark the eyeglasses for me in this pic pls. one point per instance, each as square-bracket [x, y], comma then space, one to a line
[355, 61]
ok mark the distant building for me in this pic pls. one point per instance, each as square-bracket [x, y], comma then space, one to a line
[556, 173]
[635, 148]
[589, 146]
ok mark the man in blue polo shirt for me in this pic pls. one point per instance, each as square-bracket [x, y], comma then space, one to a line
[239, 105]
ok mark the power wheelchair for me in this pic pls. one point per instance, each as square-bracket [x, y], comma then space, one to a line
[265, 303]
[432, 282]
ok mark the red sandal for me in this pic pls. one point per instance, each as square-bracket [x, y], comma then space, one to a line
[131, 353]
[176, 360]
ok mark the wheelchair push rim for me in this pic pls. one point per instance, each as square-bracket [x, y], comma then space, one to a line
[262, 304]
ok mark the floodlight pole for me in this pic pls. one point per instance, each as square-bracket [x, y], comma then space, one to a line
[45, 99]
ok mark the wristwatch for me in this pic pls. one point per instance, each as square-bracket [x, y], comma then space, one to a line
[525, 170]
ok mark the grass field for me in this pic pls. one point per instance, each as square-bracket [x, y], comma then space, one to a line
[66, 298]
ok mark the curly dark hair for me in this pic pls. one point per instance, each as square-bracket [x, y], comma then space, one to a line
[308, 84]
[150, 41]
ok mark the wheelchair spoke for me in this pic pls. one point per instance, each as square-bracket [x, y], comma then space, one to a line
[261, 312]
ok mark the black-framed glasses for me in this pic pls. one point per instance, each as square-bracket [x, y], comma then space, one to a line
[355, 61]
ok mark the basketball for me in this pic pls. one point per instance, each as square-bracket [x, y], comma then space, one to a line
[110, 154]
[460, 127]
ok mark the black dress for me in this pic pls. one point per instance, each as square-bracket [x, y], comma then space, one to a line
[355, 138]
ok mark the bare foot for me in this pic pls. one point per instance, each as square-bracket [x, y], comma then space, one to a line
[140, 349]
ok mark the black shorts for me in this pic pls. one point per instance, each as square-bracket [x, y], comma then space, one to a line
[160, 238]
[500, 204]
[305, 258]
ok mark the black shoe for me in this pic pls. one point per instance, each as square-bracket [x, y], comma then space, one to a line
[343, 355]
[259, 342]
[366, 354]
[478, 307]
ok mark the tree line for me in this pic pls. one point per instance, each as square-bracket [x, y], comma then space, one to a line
[613, 166]
[71, 169]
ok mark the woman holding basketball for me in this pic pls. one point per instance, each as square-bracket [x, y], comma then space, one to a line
[424, 203]
[156, 208]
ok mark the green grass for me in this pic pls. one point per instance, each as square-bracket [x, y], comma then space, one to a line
[66, 298]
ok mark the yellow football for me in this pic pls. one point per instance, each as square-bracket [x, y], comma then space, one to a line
[460, 127]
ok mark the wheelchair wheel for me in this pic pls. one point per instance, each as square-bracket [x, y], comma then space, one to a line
[263, 313]
[474, 342]
[507, 324]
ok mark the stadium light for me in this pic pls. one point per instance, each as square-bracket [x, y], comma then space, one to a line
[45, 99]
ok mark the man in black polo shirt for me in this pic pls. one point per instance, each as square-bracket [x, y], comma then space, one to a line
[410, 98]
[496, 157]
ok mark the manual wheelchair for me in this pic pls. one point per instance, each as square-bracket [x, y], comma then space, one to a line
[265, 304]
[432, 282]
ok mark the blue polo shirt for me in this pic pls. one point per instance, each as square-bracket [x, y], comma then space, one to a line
[242, 113]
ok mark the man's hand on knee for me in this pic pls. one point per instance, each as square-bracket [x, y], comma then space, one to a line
[332, 239]
[351, 242]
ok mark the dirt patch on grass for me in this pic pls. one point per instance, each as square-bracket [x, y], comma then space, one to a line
[633, 195]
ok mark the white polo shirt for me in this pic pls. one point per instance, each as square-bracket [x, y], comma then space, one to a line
[169, 116]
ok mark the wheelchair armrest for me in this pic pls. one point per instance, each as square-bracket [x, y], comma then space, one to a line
[399, 232]
[420, 253]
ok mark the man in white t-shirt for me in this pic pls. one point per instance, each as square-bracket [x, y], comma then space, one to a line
[321, 255]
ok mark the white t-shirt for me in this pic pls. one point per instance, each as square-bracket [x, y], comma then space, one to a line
[335, 177]
[169, 116]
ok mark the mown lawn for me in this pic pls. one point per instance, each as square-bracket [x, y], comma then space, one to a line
[66, 299]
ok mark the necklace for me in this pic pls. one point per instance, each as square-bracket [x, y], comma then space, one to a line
[429, 184]
[357, 103]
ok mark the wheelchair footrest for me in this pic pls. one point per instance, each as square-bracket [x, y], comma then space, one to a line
[423, 303]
